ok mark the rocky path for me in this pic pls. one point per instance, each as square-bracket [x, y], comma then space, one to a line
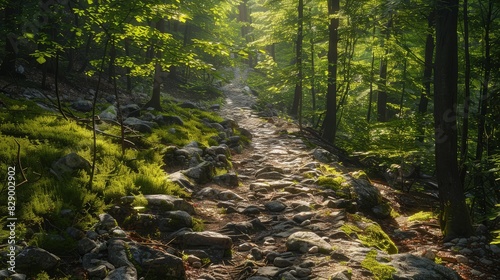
[283, 225]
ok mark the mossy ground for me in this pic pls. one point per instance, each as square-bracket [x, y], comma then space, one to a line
[380, 271]
[370, 234]
[45, 136]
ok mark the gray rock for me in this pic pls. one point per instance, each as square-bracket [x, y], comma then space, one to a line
[82, 105]
[202, 173]
[123, 273]
[131, 110]
[85, 245]
[256, 254]
[35, 259]
[382, 211]
[159, 264]
[268, 271]
[367, 196]
[182, 181]
[258, 278]
[117, 253]
[109, 113]
[228, 195]
[247, 227]
[301, 217]
[228, 179]
[107, 222]
[324, 156]
[341, 275]
[287, 276]
[69, 165]
[282, 262]
[175, 220]
[244, 132]
[214, 240]
[301, 240]
[99, 271]
[139, 125]
[169, 120]
[409, 266]
[275, 206]
[163, 202]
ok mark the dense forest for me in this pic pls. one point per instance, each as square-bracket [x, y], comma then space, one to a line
[406, 87]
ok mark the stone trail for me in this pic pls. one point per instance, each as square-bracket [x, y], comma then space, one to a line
[284, 210]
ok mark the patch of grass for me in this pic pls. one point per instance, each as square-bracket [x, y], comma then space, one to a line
[421, 216]
[379, 270]
[198, 225]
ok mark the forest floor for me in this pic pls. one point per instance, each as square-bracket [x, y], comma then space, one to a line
[279, 146]
[271, 174]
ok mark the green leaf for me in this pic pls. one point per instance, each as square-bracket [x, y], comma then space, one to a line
[41, 60]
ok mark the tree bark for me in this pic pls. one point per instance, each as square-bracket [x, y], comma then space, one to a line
[155, 101]
[297, 98]
[330, 121]
[455, 219]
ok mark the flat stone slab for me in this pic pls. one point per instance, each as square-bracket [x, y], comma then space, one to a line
[303, 240]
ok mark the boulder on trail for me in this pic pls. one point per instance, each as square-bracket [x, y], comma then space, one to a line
[303, 240]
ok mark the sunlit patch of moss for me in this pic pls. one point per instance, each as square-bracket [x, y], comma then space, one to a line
[421, 216]
[334, 183]
[370, 234]
[379, 270]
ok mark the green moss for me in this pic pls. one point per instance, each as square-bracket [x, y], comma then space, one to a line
[421, 216]
[198, 225]
[334, 183]
[379, 270]
[370, 234]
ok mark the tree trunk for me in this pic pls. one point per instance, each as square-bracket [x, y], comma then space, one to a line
[455, 219]
[465, 121]
[372, 75]
[297, 98]
[313, 73]
[382, 86]
[427, 79]
[483, 110]
[155, 101]
[330, 121]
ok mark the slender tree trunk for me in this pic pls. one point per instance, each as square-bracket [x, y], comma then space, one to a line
[465, 121]
[403, 89]
[455, 219]
[127, 69]
[427, 79]
[382, 86]
[483, 110]
[155, 101]
[330, 121]
[297, 98]
[372, 76]
[313, 73]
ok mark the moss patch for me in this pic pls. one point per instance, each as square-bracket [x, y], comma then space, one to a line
[421, 216]
[370, 234]
[379, 270]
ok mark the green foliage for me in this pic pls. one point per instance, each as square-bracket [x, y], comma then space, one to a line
[380, 271]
